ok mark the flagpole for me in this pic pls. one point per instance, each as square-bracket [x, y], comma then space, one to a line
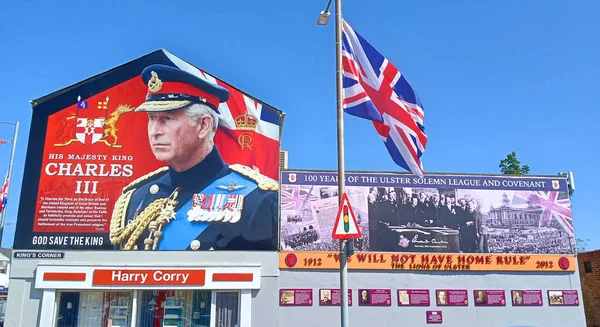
[9, 174]
[341, 162]
[346, 246]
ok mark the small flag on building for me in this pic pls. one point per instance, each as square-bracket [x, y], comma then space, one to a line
[374, 89]
[4, 142]
[4, 194]
[81, 104]
[103, 104]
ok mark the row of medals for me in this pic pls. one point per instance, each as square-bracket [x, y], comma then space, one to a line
[219, 210]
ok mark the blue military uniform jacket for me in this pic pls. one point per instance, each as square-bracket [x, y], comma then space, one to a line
[219, 207]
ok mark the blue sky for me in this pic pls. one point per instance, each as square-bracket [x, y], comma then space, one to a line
[493, 77]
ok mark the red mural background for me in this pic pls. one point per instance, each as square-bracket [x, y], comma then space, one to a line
[96, 147]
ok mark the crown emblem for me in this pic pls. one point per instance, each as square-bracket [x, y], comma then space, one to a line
[246, 121]
[154, 84]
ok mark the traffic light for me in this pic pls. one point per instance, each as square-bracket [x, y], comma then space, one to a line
[346, 219]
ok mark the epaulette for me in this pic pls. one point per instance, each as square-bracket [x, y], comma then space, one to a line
[264, 182]
[145, 177]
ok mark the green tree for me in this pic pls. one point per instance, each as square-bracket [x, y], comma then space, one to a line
[581, 243]
[512, 166]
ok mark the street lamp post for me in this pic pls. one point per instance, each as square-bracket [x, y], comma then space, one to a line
[324, 16]
[345, 245]
[9, 173]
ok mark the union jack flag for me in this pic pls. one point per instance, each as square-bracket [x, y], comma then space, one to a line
[4, 194]
[293, 197]
[374, 89]
[552, 206]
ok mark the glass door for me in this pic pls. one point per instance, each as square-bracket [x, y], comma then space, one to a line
[90, 312]
[94, 309]
[68, 306]
[174, 308]
[227, 309]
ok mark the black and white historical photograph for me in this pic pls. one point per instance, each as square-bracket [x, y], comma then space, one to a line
[444, 220]
[308, 215]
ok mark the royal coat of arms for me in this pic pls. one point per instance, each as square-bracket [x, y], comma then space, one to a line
[91, 126]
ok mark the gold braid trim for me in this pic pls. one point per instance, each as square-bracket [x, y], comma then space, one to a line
[117, 222]
[154, 216]
[136, 228]
[164, 104]
[118, 230]
[145, 177]
[153, 208]
[264, 182]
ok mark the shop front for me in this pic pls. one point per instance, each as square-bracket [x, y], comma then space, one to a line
[94, 296]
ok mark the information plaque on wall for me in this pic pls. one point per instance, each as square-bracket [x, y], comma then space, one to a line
[375, 297]
[527, 298]
[490, 298]
[332, 297]
[295, 297]
[452, 297]
[413, 298]
[434, 317]
[563, 298]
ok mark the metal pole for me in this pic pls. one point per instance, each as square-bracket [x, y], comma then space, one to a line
[341, 164]
[344, 282]
[9, 175]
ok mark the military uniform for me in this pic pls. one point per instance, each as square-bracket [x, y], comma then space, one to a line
[214, 206]
[211, 206]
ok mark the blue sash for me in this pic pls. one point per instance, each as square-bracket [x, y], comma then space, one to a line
[180, 232]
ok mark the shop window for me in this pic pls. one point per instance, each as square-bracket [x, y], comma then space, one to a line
[227, 311]
[174, 308]
[155, 308]
[94, 309]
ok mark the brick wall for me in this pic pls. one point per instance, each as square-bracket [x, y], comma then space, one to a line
[590, 285]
